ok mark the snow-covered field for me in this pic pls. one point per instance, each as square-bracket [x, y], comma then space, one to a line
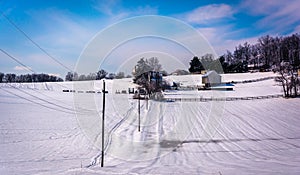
[46, 131]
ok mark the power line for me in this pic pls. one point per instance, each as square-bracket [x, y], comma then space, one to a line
[16, 60]
[28, 68]
[59, 107]
[53, 108]
[33, 42]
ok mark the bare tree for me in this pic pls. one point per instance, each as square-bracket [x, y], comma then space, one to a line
[141, 67]
[153, 62]
[120, 75]
[288, 79]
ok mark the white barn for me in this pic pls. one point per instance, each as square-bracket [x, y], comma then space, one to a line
[211, 78]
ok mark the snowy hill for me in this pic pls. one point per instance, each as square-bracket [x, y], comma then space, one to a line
[44, 130]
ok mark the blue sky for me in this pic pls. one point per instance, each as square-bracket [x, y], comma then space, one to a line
[63, 28]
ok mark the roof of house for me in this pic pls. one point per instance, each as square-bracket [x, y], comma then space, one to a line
[209, 73]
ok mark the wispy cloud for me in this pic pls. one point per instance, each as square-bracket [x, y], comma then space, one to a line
[21, 68]
[109, 7]
[63, 28]
[56, 75]
[261, 7]
[297, 29]
[223, 36]
[62, 34]
[221, 40]
[277, 16]
[145, 10]
[116, 11]
[219, 22]
[205, 14]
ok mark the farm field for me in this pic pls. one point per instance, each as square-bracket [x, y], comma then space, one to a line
[44, 130]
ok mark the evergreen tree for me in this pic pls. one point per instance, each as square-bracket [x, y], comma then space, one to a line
[195, 65]
[1, 77]
[101, 74]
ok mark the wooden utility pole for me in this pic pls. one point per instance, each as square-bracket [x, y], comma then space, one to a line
[103, 114]
[139, 111]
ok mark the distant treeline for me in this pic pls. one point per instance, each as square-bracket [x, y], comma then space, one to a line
[268, 53]
[73, 76]
[28, 78]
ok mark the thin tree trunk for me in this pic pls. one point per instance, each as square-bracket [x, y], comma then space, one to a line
[284, 90]
[287, 89]
[290, 90]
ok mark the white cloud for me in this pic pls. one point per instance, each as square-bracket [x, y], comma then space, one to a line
[278, 16]
[230, 45]
[63, 35]
[56, 75]
[204, 14]
[261, 7]
[115, 10]
[21, 68]
[108, 7]
[297, 29]
[219, 38]
[145, 10]
[62, 28]
[222, 37]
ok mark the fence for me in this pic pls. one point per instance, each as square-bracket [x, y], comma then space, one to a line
[201, 99]
[254, 80]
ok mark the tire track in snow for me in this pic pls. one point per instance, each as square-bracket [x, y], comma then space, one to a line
[238, 145]
[247, 135]
[261, 155]
[206, 145]
[97, 158]
[156, 112]
[200, 119]
[268, 127]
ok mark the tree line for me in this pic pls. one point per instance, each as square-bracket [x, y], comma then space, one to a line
[265, 55]
[28, 78]
[73, 76]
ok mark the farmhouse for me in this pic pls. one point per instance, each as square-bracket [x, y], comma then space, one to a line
[211, 78]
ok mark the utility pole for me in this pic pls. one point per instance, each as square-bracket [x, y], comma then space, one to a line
[103, 114]
[139, 111]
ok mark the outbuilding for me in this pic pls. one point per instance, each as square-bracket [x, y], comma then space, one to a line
[211, 78]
